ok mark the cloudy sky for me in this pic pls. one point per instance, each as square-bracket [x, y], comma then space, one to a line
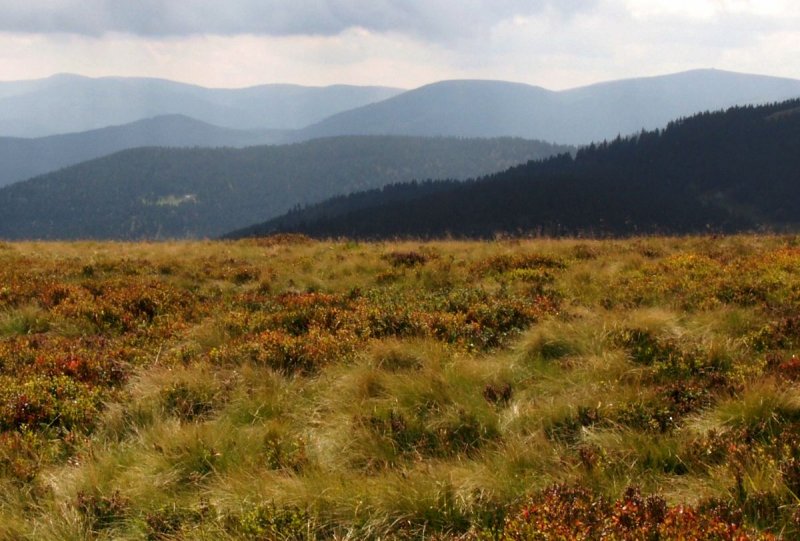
[406, 43]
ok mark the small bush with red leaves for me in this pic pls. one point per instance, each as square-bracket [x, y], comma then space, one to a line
[575, 513]
[286, 352]
[407, 259]
[781, 334]
[94, 361]
[54, 385]
[119, 305]
[42, 401]
[24, 452]
[470, 318]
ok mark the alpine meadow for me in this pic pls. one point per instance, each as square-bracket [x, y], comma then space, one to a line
[285, 388]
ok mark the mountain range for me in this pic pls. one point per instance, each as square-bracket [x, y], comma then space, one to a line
[464, 108]
[70, 103]
[189, 115]
[23, 158]
[578, 116]
[169, 188]
[734, 170]
[158, 193]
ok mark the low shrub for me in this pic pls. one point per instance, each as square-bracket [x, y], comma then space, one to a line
[505, 263]
[268, 521]
[412, 435]
[576, 513]
[100, 512]
[189, 402]
[406, 259]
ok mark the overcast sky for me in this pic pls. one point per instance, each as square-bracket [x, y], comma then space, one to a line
[405, 43]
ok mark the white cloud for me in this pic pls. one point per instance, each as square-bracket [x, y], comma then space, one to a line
[389, 42]
[432, 19]
[710, 9]
[354, 56]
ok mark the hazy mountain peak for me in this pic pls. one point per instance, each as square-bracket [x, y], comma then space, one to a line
[68, 103]
[24, 158]
[479, 108]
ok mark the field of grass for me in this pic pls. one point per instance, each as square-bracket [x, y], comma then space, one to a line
[283, 388]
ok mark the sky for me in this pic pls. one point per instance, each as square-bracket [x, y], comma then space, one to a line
[556, 44]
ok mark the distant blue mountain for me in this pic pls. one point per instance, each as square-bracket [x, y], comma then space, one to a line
[24, 158]
[72, 103]
[578, 116]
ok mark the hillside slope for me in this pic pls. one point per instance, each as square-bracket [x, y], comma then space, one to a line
[170, 193]
[25, 158]
[724, 171]
[578, 116]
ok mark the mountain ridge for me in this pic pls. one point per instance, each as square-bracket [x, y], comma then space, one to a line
[732, 170]
[581, 115]
[458, 107]
[148, 193]
[24, 158]
[69, 103]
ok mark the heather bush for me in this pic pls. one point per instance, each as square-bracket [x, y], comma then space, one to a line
[288, 388]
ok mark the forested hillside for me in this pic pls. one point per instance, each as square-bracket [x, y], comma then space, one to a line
[340, 205]
[724, 171]
[170, 193]
[23, 158]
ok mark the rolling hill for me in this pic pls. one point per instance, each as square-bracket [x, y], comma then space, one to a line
[25, 158]
[727, 171]
[153, 193]
[578, 116]
[71, 103]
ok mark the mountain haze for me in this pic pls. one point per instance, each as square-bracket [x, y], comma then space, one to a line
[25, 158]
[726, 171]
[171, 193]
[577, 116]
[71, 103]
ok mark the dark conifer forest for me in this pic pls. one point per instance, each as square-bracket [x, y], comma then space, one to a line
[727, 171]
[157, 193]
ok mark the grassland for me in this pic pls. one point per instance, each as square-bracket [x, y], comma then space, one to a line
[283, 388]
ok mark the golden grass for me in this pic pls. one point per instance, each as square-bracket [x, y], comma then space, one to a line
[345, 390]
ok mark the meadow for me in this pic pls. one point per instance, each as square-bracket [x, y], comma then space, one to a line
[285, 388]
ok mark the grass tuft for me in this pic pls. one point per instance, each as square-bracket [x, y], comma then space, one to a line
[285, 388]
